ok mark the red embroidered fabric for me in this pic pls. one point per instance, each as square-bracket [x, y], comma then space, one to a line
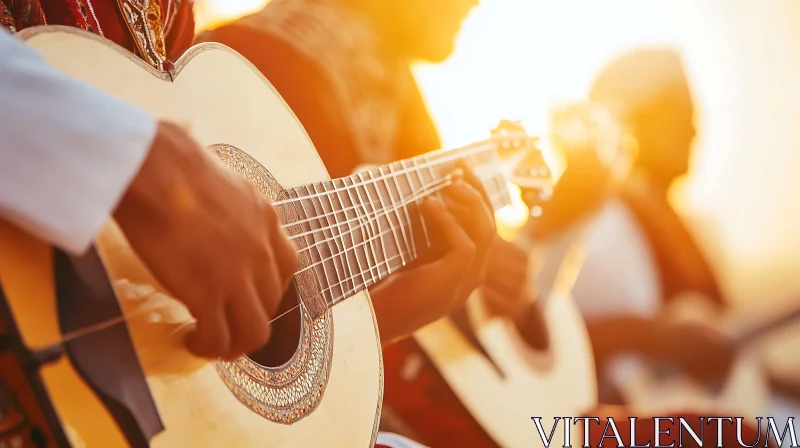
[141, 30]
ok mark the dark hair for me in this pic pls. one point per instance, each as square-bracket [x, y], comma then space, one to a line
[637, 79]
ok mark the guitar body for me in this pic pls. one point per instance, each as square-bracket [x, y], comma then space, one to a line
[328, 394]
[493, 389]
[648, 389]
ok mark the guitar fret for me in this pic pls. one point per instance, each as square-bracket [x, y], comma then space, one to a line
[389, 245]
[432, 174]
[352, 242]
[323, 248]
[364, 225]
[402, 194]
[414, 190]
[396, 259]
[377, 231]
[396, 209]
[317, 263]
[306, 227]
[343, 270]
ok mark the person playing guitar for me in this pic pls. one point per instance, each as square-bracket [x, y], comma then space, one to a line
[345, 71]
[167, 194]
[657, 260]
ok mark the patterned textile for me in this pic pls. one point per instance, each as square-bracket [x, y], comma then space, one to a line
[141, 26]
[19, 14]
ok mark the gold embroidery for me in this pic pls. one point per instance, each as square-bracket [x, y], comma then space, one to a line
[6, 19]
[94, 16]
[143, 18]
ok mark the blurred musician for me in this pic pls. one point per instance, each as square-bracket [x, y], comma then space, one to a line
[640, 254]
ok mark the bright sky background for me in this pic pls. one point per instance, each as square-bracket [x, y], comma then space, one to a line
[518, 58]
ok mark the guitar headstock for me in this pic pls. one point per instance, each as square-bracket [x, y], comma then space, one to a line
[527, 167]
[512, 140]
[586, 127]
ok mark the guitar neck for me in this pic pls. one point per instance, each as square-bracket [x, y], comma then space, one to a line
[754, 334]
[356, 230]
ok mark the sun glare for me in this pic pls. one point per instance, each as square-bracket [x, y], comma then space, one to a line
[517, 59]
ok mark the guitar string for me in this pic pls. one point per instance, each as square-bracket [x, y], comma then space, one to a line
[379, 214]
[120, 319]
[284, 226]
[449, 156]
[392, 228]
[453, 155]
[67, 337]
[418, 194]
[303, 221]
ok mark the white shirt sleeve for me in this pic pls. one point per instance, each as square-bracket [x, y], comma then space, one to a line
[619, 275]
[396, 441]
[67, 150]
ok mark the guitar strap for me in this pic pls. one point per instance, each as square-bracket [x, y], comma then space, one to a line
[681, 264]
[105, 359]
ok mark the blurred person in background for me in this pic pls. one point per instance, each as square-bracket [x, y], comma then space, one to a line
[641, 256]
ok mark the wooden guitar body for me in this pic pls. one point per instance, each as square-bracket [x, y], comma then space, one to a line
[494, 389]
[483, 378]
[650, 390]
[328, 394]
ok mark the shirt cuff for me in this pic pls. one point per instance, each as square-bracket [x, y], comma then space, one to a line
[69, 151]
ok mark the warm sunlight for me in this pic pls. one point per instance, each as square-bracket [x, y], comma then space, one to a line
[517, 59]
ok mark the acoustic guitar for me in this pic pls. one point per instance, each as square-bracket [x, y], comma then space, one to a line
[475, 379]
[92, 345]
[659, 388]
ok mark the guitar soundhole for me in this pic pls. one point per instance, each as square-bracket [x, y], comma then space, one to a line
[284, 381]
[532, 327]
[286, 330]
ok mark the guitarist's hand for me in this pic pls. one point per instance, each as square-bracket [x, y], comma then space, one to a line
[212, 240]
[505, 288]
[699, 350]
[461, 228]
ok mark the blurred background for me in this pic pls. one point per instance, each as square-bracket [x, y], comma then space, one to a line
[519, 58]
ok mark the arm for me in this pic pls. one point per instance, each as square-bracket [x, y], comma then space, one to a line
[626, 334]
[69, 151]
[72, 156]
[699, 350]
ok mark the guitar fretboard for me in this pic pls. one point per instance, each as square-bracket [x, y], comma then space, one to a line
[354, 231]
